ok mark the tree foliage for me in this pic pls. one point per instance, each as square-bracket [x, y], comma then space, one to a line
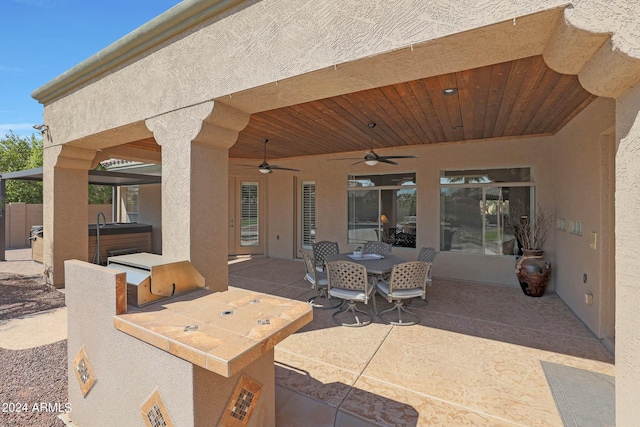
[20, 153]
[16, 154]
[100, 194]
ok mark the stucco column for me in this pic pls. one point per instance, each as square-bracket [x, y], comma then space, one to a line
[65, 200]
[195, 161]
[627, 256]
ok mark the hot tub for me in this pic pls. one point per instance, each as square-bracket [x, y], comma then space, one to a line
[116, 238]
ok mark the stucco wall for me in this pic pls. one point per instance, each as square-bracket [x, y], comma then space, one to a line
[578, 156]
[627, 243]
[331, 199]
[150, 212]
[281, 229]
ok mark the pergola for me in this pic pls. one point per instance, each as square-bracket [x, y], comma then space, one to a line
[97, 177]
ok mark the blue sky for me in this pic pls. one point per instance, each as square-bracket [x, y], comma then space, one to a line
[41, 39]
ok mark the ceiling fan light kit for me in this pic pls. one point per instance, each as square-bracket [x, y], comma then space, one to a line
[372, 159]
[265, 167]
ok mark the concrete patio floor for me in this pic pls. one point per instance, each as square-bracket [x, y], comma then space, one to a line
[475, 358]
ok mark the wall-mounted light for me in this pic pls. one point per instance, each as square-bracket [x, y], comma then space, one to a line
[42, 128]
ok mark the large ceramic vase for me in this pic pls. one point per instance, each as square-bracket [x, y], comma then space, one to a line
[533, 272]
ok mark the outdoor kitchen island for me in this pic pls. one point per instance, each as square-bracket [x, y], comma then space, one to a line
[196, 358]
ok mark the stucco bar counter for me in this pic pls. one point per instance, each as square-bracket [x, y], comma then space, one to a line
[201, 358]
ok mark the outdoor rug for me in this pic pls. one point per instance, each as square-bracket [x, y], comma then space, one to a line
[583, 398]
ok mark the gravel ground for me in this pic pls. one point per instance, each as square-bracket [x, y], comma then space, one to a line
[20, 296]
[33, 382]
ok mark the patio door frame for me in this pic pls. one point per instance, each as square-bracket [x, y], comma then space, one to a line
[235, 212]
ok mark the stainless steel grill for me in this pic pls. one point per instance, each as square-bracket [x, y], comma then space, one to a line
[152, 277]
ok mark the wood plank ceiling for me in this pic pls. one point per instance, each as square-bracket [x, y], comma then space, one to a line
[517, 98]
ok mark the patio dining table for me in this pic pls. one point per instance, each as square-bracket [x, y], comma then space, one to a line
[375, 264]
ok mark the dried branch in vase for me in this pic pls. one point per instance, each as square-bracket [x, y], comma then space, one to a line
[533, 234]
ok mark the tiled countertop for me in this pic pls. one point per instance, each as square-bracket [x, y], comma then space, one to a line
[199, 328]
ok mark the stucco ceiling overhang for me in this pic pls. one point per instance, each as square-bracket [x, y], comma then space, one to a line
[513, 99]
[443, 61]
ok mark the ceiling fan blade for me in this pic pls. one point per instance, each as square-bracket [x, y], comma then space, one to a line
[398, 157]
[386, 160]
[283, 169]
[345, 158]
[353, 164]
[248, 166]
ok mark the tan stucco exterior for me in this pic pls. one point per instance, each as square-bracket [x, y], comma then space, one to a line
[581, 160]
[192, 77]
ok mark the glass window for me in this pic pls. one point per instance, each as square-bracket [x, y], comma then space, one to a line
[382, 208]
[130, 194]
[308, 207]
[477, 216]
[249, 214]
[483, 176]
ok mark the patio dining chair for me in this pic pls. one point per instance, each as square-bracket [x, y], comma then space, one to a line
[348, 281]
[380, 248]
[426, 254]
[319, 282]
[321, 250]
[408, 280]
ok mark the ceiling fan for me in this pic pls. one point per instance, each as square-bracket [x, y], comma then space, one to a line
[372, 159]
[265, 167]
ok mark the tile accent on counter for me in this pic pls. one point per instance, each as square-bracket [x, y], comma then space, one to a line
[154, 413]
[84, 372]
[243, 400]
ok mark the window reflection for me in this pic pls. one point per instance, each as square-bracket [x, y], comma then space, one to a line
[476, 217]
[382, 208]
